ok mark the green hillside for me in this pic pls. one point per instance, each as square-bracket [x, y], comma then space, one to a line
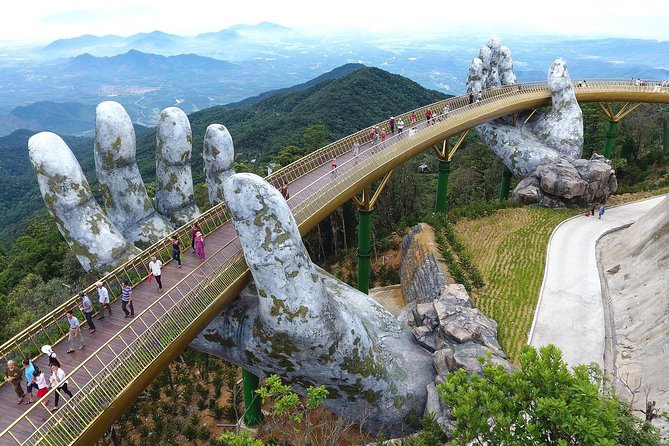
[343, 105]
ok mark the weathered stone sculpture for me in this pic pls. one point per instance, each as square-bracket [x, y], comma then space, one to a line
[92, 237]
[218, 156]
[307, 326]
[101, 242]
[127, 204]
[545, 151]
[174, 180]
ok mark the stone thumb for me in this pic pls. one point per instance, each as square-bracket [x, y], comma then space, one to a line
[289, 286]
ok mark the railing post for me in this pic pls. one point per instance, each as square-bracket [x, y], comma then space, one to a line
[442, 186]
[364, 248]
[252, 413]
[505, 187]
[610, 138]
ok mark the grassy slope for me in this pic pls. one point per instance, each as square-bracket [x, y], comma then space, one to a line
[509, 248]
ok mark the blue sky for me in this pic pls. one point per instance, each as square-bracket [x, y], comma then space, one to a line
[46, 20]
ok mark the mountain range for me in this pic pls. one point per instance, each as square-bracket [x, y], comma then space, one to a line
[147, 72]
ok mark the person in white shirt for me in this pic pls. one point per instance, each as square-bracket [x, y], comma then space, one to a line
[104, 299]
[58, 381]
[156, 266]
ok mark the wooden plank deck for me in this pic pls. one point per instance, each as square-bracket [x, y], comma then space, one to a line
[144, 294]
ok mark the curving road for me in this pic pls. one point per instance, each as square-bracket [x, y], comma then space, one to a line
[570, 310]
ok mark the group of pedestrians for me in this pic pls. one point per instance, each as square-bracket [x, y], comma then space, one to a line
[36, 381]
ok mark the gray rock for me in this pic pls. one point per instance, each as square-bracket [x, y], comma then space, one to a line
[425, 314]
[464, 324]
[467, 356]
[444, 361]
[425, 338]
[455, 294]
[174, 180]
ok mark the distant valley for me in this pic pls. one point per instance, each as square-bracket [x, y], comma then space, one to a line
[55, 86]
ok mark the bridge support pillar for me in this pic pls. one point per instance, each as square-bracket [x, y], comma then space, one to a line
[364, 249]
[365, 204]
[442, 186]
[505, 187]
[252, 415]
[445, 155]
[610, 138]
[614, 119]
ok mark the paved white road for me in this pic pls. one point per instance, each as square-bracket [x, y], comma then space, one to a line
[570, 312]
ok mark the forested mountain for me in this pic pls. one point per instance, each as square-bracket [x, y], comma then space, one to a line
[343, 105]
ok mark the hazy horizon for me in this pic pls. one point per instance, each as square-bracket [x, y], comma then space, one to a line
[43, 21]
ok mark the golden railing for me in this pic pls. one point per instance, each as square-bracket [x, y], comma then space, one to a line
[147, 350]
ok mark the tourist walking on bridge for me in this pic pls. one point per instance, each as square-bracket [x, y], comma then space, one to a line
[126, 299]
[75, 332]
[176, 249]
[199, 246]
[87, 309]
[156, 268]
[103, 295]
[28, 372]
[193, 232]
[284, 190]
[13, 375]
[391, 124]
[58, 381]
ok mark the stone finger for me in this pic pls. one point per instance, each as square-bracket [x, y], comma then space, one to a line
[126, 201]
[174, 179]
[94, 239]
[218, 154]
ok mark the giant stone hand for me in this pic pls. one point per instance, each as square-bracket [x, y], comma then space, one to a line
[103, 241]
[545, 151]
[303, 324]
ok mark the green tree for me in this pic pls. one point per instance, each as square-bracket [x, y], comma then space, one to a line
[241, 439]
[289, 154]
[314, 137]
[542, 402]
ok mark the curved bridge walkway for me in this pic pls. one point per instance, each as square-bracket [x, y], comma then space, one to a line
[124, 356]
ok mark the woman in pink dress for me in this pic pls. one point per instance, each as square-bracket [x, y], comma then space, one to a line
[199, 245]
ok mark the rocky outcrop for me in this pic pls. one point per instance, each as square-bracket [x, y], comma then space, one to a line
[575, 183]
[543, 150]
[456, 334]
[422, 272]
[635, 262]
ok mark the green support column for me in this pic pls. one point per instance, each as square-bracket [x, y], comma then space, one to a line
[505, 187]
[610, 139]
[364, 249]
[665, 135]
[442, 186]
[252, 414]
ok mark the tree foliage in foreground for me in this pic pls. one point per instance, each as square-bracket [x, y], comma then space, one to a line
[541, 403]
